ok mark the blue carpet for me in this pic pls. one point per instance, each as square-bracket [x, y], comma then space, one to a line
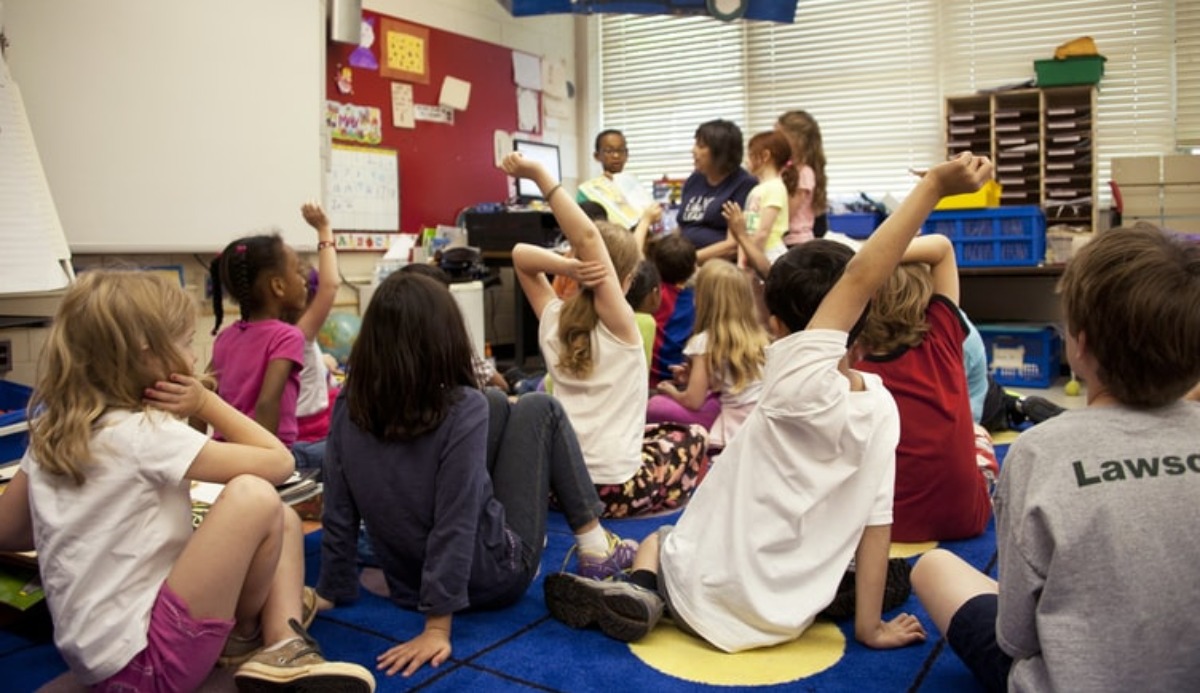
[522, 649]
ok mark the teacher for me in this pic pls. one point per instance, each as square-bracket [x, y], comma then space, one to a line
[718, 178]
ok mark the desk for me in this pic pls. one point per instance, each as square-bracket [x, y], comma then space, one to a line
[1010, 294]
[495, 234]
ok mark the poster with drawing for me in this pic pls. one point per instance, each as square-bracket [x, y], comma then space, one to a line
[363, 189]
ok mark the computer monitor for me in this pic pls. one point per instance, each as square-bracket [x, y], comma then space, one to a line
[543, 153]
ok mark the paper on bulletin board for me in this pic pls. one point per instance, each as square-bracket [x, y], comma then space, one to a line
[433, 114]
[556, 107]
[363, 189]
[355, 123]
[528, 117]
[554, 77]
[527, 70]
[402, 106]
[456, 93]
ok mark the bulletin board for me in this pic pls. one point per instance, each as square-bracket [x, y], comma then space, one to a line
[446, 167]
[363, 189]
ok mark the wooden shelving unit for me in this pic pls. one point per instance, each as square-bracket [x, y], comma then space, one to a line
[1043, 144]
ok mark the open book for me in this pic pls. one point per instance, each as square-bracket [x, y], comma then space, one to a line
[302, 485]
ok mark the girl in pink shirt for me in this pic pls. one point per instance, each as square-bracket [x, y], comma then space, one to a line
[257, 360]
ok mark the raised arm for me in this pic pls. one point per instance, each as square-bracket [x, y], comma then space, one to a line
[581, 232]
[532, 263]
[251, 448]
[328, 278]
[937, 251]
[651, 215]
[878, 257]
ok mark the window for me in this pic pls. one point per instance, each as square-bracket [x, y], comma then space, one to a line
[875, 72]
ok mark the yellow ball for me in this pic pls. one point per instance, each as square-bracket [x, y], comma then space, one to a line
[1072, 388]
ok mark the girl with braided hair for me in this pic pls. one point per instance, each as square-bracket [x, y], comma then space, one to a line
[257, 360]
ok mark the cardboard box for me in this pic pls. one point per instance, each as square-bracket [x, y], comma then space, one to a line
[1181, 200]
[1181, 168]
[1141, 200]
[1136, 170]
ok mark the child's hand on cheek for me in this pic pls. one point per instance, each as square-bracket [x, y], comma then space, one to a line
[182, 395]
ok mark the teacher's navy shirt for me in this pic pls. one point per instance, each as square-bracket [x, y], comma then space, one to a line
[700, 219]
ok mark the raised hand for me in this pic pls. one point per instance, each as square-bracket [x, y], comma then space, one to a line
[314, 215]
[964, 173]
[734, 218]
[515, 164]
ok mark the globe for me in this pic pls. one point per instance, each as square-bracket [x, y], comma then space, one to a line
[337, 335]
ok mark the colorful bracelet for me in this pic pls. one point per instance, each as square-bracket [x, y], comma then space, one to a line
[325, 244]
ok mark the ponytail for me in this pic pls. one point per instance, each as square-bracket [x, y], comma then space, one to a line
[218, 303]
[791, 177]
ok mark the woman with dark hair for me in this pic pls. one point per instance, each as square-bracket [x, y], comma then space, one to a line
[718, 178]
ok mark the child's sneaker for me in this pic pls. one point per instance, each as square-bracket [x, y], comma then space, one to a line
[622, 610]
[238, 649]
[298, 665]
[604, 566]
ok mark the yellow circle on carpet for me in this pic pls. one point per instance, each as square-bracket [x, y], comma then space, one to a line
[692, 659]
[901, 549]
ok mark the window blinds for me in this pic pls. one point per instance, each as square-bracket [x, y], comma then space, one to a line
[874, 73]
[994, 43]
[1187, 73]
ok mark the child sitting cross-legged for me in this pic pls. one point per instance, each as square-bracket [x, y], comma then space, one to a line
[913, 339]
[725, 356]
[1096, 507]
[812, 470]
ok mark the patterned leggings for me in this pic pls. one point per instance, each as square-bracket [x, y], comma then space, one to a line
[674, 461]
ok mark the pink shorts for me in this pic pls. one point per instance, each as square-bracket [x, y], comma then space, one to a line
[180, 650]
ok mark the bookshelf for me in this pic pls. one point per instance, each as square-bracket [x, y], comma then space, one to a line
[1042, 142]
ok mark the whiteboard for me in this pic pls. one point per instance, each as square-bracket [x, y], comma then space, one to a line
[173, 125]
[363, 193]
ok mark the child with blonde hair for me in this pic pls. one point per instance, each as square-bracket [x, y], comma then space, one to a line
[139, 600]
[807, 203]
[725, 355]
[913, 339]
[593, 350]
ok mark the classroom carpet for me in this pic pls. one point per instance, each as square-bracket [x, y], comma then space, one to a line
[521, 648]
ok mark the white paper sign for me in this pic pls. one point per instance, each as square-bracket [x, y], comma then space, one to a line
[455, 93]
[402, 106]
[433, 114]
[527, 70]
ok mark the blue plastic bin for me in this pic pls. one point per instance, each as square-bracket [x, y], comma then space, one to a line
[1022, 355]
[994, 237]
[14, 429]
[855, 224]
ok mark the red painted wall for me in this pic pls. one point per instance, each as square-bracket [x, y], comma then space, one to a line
[443, 168]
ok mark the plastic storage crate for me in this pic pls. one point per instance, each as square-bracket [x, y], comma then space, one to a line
[997, 237]
[858, 225]
[14, 429]
[1082, 69]
[1022, 355]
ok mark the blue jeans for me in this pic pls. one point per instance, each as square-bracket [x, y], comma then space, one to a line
[532, 450]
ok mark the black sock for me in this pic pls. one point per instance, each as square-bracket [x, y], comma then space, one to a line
[645, 578]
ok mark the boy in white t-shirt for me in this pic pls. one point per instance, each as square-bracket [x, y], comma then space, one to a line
[805, 487]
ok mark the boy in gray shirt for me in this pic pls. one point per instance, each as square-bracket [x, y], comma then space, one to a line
[1096, 509]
